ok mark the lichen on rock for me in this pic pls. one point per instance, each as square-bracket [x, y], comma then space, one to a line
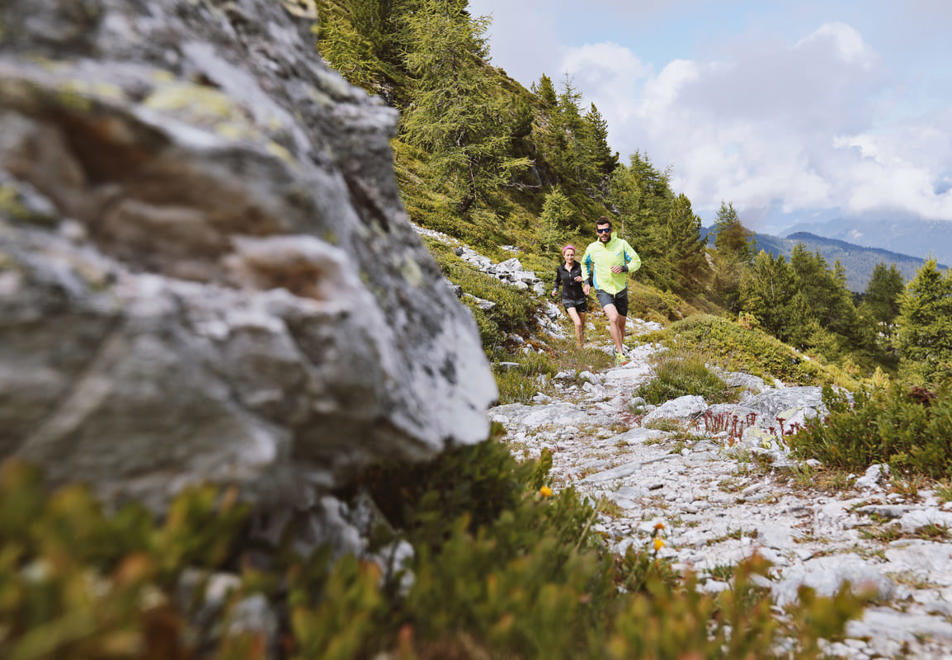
[225, 286]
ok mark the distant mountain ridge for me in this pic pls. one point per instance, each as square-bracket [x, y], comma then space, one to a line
[858, 261]
[904, 235]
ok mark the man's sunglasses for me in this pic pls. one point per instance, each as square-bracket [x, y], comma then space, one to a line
[604, 231]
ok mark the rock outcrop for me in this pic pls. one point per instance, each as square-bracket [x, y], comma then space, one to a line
[206, 272]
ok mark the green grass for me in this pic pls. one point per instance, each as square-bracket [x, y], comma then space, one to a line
[663, 424]
[520, 383]
[680, 375]
[943, 490]
[732, 347]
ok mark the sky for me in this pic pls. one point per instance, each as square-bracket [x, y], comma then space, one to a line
[792, 110]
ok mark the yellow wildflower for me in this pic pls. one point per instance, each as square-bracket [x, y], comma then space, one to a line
[545, 491]
[658, 544]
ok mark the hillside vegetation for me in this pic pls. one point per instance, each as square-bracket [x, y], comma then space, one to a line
[483, 159]
[498, 565]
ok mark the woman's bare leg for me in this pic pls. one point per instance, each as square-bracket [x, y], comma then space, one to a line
[579, 324]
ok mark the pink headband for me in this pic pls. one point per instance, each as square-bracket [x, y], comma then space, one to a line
[568, 247]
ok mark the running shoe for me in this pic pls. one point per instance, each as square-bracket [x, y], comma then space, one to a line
[620, 359]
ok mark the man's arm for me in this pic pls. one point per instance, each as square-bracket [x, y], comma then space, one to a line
[586, 266]
[632, 260]
[587, 272]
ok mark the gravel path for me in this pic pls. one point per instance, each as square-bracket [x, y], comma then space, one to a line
[721, 504]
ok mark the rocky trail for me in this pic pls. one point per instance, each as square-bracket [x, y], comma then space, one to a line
[725, 489]
[724, 496]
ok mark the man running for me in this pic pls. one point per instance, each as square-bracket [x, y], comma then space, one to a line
[606, 263]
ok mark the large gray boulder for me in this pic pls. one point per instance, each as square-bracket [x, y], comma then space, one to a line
[206, 273]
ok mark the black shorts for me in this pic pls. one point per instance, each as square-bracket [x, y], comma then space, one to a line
[580, 304]
[619, 300]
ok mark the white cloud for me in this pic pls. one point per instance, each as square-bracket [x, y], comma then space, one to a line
[794, 126]
[884, 175]
[613, 71]
[778, 110]
[846, 40]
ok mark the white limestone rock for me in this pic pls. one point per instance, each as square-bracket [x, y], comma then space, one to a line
[827, 574]
[224, 285]
[682, 408]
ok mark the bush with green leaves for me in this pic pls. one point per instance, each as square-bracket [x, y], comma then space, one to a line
[735, 623]
[76, 582]
[502, 568]
[905, 427]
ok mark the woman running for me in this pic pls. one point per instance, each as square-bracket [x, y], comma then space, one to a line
[568, 276]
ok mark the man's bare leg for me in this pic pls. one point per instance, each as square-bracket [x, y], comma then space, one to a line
[617, 333]
[620, 322]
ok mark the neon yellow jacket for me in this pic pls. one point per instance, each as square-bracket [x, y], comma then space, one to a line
[599, 258]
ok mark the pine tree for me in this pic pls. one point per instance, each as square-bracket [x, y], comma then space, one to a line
[772, 294]
[685, 250]
[557, 218]
[361, 40]
[828, 298]
[881, 298]
[732, 238]
[456, 113]
[596, 138]
[564, 140]
[924, 337]
[568, 152]
[545, 92]
[643, 198]
[830, 302]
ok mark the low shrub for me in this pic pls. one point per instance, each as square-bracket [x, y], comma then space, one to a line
[506, 571]
[736, 623]
[501, 568]
[76, 582]
[682, 375]
[904, 427]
